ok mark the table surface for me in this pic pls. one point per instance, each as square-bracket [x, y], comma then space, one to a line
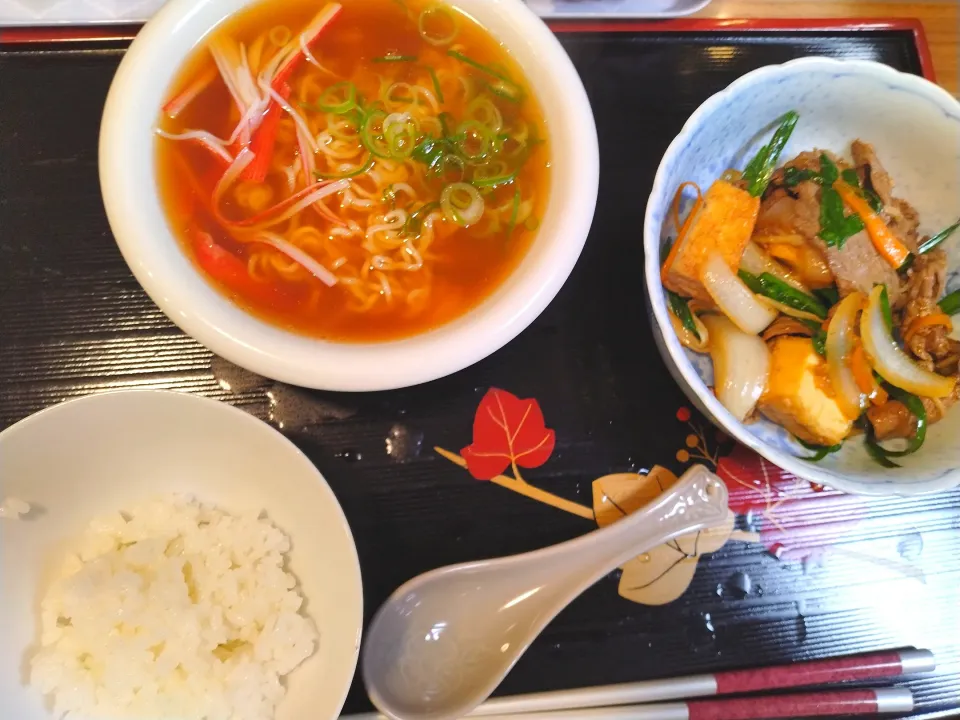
[941, 22]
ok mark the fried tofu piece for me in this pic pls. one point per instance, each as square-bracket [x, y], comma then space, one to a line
[799, 396]
[724, 223]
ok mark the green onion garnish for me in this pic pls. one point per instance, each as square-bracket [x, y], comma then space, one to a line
[930, 243]
[951, 303]
[338, 99]
[479, 66]
[760, 169]
[680, 307]
[771, 286]
[436, 84]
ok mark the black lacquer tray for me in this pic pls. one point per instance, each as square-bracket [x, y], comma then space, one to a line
[803, 573]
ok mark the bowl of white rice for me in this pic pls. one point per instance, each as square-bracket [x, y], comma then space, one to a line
[168, 556]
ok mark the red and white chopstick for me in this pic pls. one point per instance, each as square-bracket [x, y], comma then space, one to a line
[621, 702]
[815, 672]
[812, 704]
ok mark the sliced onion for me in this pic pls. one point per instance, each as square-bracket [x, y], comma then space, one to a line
[841, 340]
[741, 365]
[461, 203]
[447, 16]
[733, 297]
[756, 260]
[893, 364]
[299, 256]
[687, 338]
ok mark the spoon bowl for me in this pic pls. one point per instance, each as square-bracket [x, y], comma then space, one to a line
[443, 641]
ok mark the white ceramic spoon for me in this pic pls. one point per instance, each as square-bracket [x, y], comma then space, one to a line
[443, 641]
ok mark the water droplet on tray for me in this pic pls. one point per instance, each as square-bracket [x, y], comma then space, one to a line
[910, 546]
[739, 585]
[350, 455]
[402, 443]
[296, 409]
[233, 378]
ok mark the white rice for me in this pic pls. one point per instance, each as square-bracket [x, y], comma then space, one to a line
[12, 508]
[174, 610]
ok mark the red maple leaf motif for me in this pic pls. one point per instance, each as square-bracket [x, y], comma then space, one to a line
[794, 519]
[507, 431]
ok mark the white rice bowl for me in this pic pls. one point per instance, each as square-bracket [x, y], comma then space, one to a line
[92, 457]
[173, 610]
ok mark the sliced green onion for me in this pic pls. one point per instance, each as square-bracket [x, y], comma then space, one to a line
[819, 451]
[436, 84]
[400, 134]
[479, 66]
[829, 295]
[760, 169]
[461, 203]
[820, 341]
[349, 174]
[680, 307]
[395, 58]
[916, 408]
[432, 14]
[793, 176]
[485, 112]
[484, 177]
[507, 90]
[474, 139]
[950, 304]
[338, 99]
[415, 219]
[371, 134]
[930, 243]
[885, 309]
[771, 286]
[449, 160]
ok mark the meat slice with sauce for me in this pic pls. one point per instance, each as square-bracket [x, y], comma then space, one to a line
[857, 266]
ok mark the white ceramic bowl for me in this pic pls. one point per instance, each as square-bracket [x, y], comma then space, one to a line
[915, 127]
[103, 453]
[128, 182]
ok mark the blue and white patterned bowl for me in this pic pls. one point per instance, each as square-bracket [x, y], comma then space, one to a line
[915, 127]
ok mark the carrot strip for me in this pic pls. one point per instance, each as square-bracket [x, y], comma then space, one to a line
[918, 324]
[861, 370]
[681, 233]
[884, 240]
[264, 139]
[863, 376]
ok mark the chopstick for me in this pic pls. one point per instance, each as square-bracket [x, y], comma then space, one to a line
[813, 704]
[597, 702]
[872, 666]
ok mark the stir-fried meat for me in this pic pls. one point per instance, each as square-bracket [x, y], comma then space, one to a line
[926, 281]
[900, 216]
[858, 265]
[893, 420]
[786, 325]
[871, 172]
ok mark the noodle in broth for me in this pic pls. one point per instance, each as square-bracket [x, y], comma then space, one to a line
[381, 186]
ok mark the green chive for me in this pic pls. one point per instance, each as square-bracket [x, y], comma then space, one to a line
[436, 84]
[930, 243]
[479, 66]
[951, 303]
[680, 307]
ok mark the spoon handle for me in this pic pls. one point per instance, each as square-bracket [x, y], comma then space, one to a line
[698, 500]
